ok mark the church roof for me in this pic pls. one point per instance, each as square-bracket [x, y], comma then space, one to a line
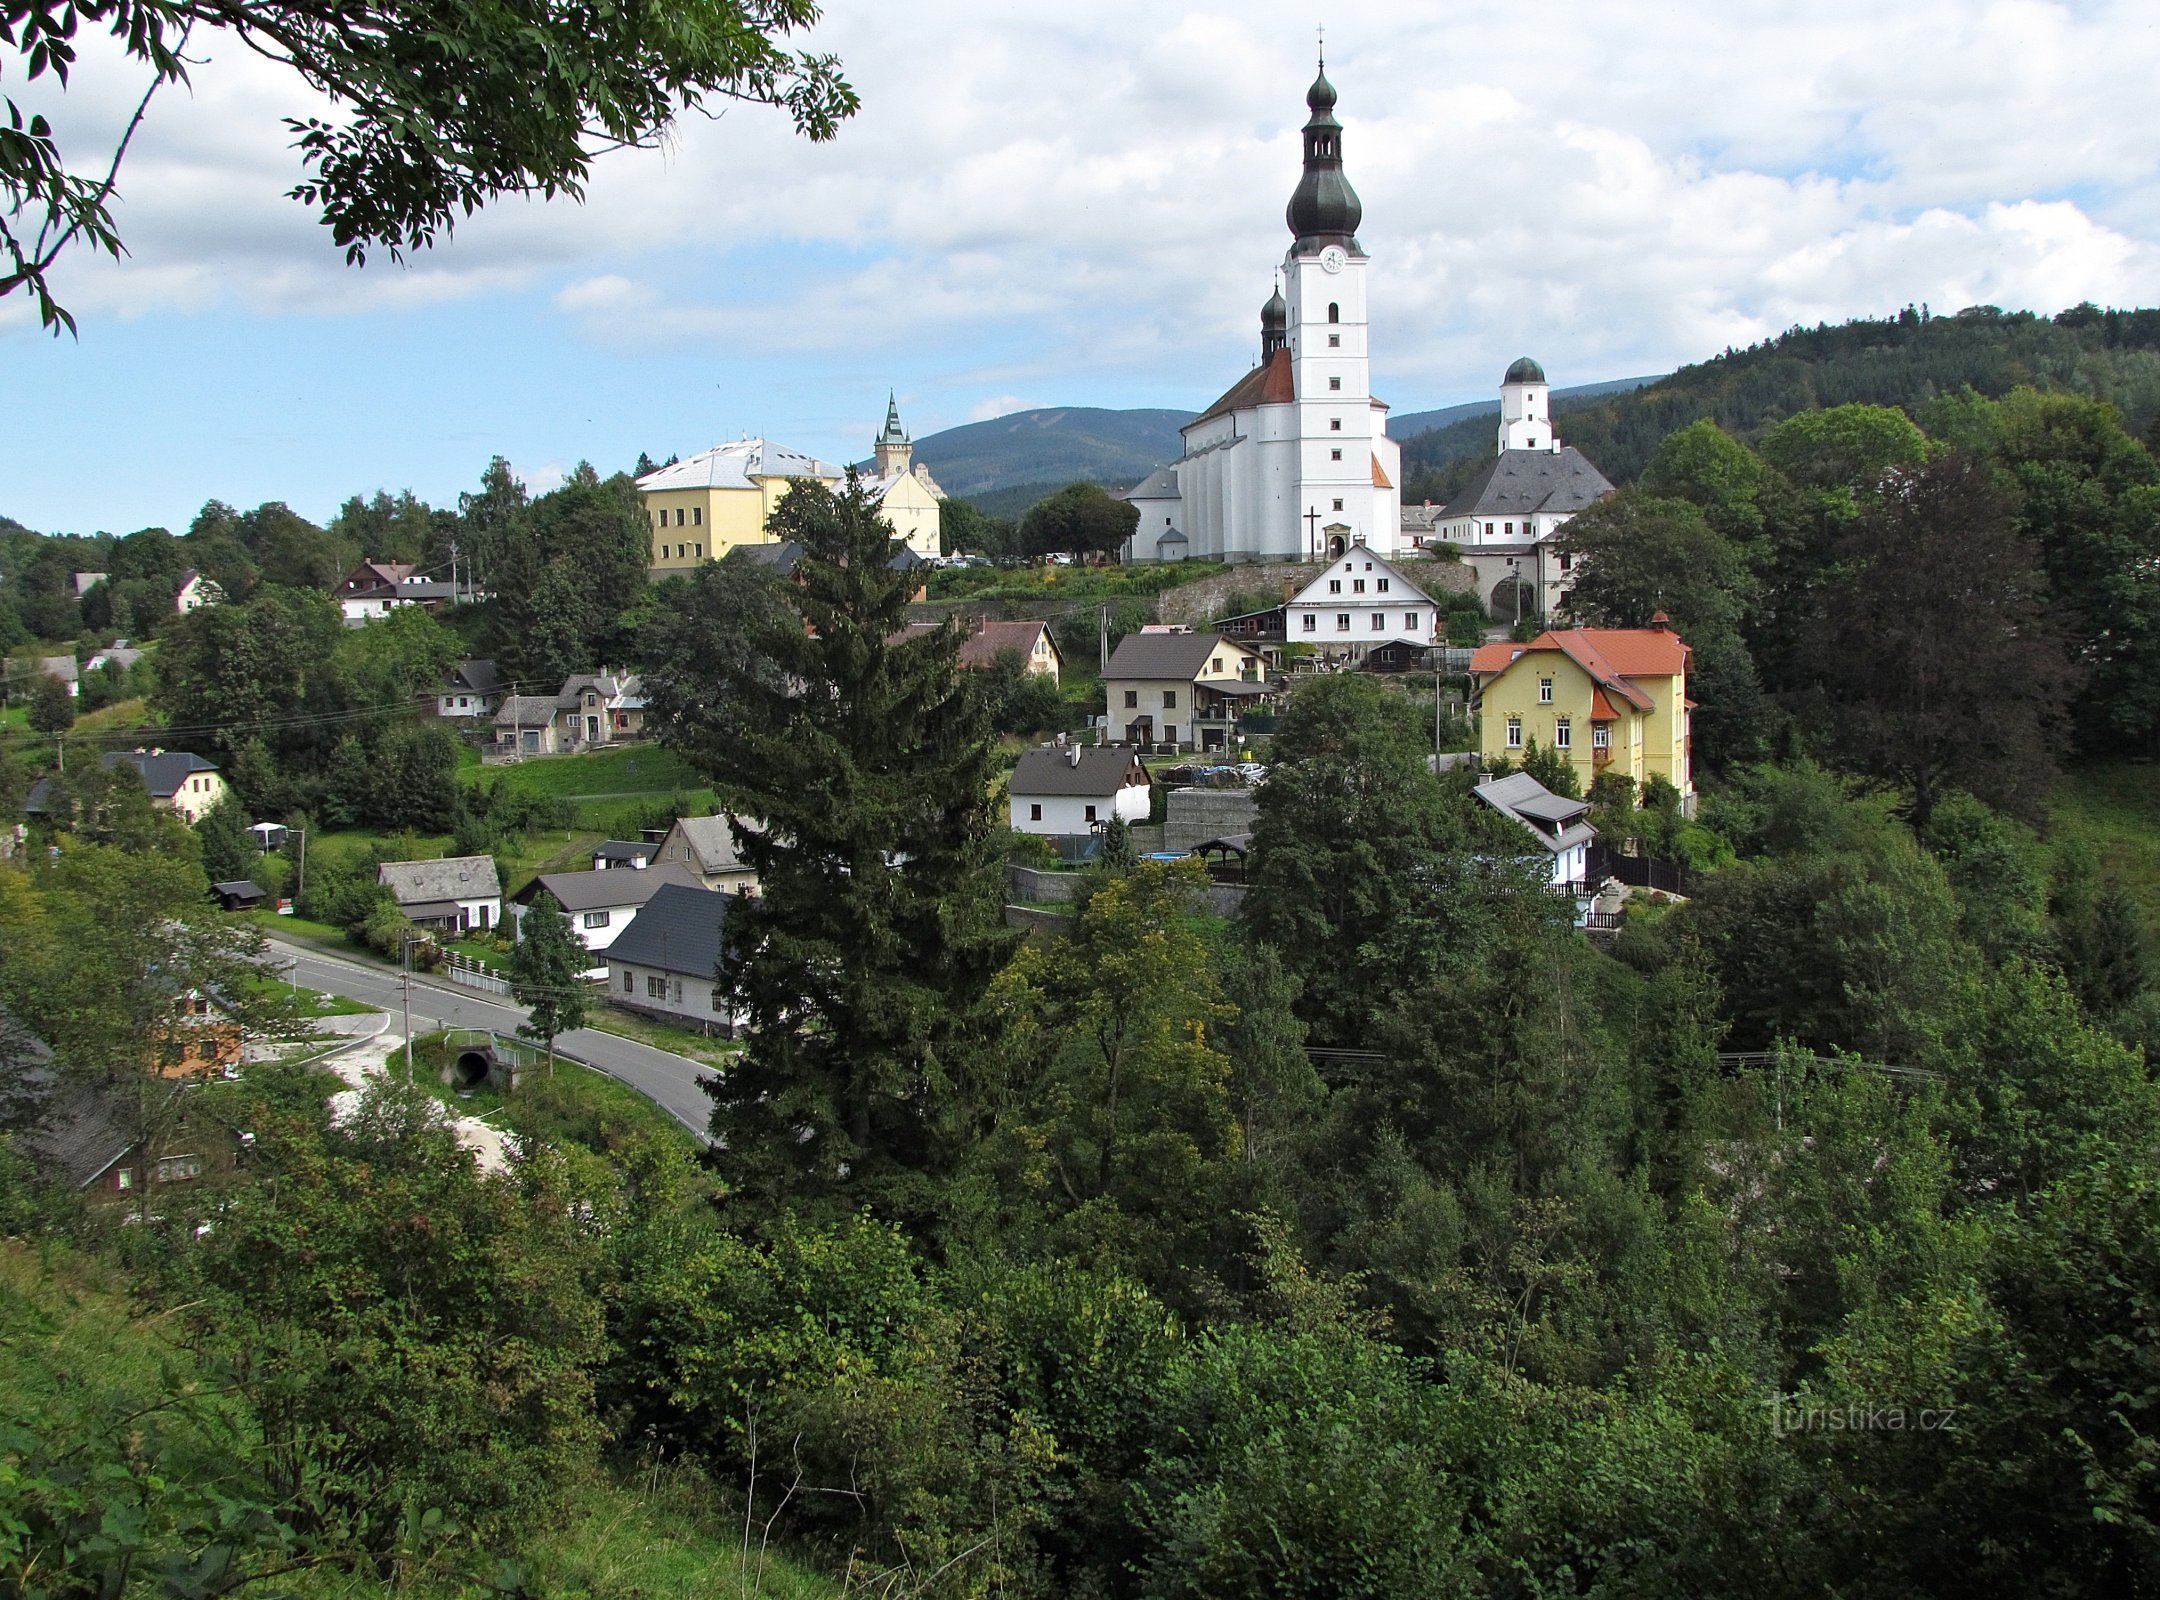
[737, 465]
[1161, 484]
[1519, 482]
[1524, 370]
[1269, 384]
[1379, 475]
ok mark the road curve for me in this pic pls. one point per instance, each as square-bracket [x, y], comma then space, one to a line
[669, 1081]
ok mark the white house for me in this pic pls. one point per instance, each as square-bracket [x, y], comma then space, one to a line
[1555, 821]
[600, 905]
[667, 962]
[196, 591]
[64, 669]
[1065, 789]
[1504, 519]
[473, 690]
[458, 894]
[1293, 462]
[1357, 602]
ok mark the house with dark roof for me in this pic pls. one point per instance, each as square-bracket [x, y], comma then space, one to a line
[472, 691]
[1504, 518]
[179, 782]
[1171, 687]
[1068, 789]
[667, 962]
[455, 895]
[374, 589]
[600, 905]
[64, 669]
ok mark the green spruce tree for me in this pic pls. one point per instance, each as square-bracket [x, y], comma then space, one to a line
[544, 972]
[863, 962]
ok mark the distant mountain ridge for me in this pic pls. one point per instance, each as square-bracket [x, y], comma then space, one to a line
[1007, 463]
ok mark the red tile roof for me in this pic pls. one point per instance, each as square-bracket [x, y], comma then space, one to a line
[1269, 384]
[1612, 656]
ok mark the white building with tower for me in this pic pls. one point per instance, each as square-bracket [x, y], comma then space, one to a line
[1503, 520]
[1294, 461]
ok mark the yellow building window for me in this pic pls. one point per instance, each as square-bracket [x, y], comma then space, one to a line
[1514, 733]
[1544, 691]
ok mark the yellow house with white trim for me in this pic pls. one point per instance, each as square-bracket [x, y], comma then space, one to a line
[1609, 699]
[703, 506]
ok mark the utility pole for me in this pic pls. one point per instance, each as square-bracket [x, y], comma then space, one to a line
[454, 595]
[405, 984]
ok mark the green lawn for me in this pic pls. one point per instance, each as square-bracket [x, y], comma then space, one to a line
[306, 1003]
[626, 770]
[2115, 812]
[1076, 584]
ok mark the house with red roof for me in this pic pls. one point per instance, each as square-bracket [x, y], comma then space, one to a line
[1609, 699]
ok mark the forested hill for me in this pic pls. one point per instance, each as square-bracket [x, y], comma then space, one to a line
[1053, 445]
[1906, 360]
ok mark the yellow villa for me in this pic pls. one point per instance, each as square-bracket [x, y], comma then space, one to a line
[1609, 699]
[703, 506]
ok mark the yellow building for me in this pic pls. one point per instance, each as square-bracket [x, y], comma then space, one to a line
[703, 506]
[904, 493]
[1609, 699]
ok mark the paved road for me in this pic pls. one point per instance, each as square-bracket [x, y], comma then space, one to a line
[668, 1080]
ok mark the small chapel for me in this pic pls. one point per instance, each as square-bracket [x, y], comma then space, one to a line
[1293, 462]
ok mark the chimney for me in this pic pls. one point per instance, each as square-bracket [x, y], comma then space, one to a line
[1072, 756]
[1661, 622]
[1289, 588]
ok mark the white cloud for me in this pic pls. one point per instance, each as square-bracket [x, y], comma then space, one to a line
[1078, 199]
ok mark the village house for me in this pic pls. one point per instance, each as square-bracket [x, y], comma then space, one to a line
[374, 588]
[183, 784]
[1068, 789]
[590, 711]
[198, 1039]
[472, 691]
[64, 669]
[195, 592]
[1607, 699]
[634, 854]
[600, 905]
[667, 962]
[984, 639]
[82, 1140]
[705, 846]
[1173, 688]
[1555, 821]
[458, 894]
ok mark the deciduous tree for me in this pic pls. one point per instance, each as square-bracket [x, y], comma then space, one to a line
[546, 974]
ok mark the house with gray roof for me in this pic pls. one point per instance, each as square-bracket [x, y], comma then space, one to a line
[667, 962]
[1169, 687]
[473, 691]
[1504, 519]
[1068, 789]
[458, 894]
[705, 847]
[178, 781]
[1554, 820]
[600, 905]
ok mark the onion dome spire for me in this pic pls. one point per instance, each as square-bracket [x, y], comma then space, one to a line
[1324, 209]
[1274, 325]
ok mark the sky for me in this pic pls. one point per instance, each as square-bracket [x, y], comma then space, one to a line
[1074, 205]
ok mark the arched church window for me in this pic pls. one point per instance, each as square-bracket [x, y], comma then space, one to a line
[1334, 312]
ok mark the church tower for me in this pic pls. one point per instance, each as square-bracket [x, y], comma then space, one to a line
[1526, 409]
[1339, 471]
[894, 450]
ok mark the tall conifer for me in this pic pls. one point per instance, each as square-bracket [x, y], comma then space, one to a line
[863, 961]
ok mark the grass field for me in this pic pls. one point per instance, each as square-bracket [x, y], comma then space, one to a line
[625, 771]
[2114, 811]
